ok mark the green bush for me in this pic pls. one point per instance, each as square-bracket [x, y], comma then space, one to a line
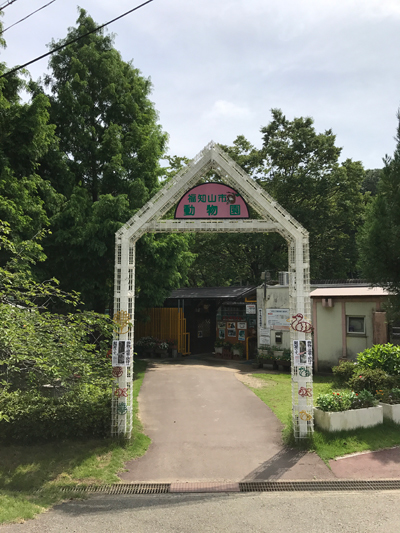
[34, 418]
[383, 356]
[371, 380]
[344, 371]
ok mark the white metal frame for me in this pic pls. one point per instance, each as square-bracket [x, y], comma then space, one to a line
[273, 219]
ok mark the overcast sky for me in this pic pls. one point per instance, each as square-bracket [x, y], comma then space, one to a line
[219, 66]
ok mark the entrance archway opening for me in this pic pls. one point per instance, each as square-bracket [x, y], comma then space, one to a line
[273, 218]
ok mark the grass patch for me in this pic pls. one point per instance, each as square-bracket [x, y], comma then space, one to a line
[277, 394]
[31, 476]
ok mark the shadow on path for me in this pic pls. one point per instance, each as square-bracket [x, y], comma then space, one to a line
[276, 466]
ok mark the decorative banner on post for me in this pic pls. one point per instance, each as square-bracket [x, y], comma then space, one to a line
[300, 324]
[302, 353]
[121, 353]
[211, 200]
[122, 321]
[122, 409]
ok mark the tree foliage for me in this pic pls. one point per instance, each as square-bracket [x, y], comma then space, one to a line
[42, 352]
[27, 200]
[379, 239]
[300, 169]
[108, 130]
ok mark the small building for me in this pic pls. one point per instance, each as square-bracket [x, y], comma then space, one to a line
[347, 319]
[195, 317]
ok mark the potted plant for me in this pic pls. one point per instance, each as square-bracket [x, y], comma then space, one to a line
[226, 350]
[283, 357]
[218, 345]
[162, 348]
[147, 344]
[238, 350]
[390, 401]
[173, 348]
[345, 410]
[266, 356]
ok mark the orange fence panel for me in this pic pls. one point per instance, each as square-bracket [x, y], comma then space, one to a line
[165, 323]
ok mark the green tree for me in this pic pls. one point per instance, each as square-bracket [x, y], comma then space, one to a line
[40, 349]
[370, 183]
[302, 172]
[108, 129]
[379, 239]
[27, 199]
[300, 168]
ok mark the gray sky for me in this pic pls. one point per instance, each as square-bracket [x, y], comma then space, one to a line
[219, 66]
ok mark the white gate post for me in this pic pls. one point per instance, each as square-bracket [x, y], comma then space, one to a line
[124, 289]
[299, 298]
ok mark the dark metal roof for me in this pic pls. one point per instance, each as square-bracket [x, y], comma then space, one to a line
[212, 292]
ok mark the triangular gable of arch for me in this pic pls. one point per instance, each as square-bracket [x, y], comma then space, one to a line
[212, 157]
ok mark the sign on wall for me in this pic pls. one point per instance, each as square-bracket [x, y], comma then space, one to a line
[211, 200]
[250, 309]
[278, 317]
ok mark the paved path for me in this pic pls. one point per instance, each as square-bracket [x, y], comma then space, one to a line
[206, 425]
[381, 464]
[300, 512]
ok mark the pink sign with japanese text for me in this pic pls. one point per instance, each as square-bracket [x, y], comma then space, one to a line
[211, 200]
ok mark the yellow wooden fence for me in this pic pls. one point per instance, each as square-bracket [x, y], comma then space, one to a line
[165, 323]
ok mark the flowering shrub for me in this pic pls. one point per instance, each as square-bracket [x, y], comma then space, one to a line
[391, 396]
[163, 345]
[343, 401]
[283, 355]
[371, 379]
[264, 354]
[146, 342]
[335, 401]
[363, 399]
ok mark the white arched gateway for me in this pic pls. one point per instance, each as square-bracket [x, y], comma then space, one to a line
[149, 219]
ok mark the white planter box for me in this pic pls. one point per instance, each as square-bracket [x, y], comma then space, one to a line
[217, 349]
[345, 420]
[391, 411]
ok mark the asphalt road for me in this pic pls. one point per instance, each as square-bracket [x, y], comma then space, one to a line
[205, 425]
[304, 512]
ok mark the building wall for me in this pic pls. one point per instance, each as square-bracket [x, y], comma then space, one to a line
[331, 339]
[328, 334]
[277, 298]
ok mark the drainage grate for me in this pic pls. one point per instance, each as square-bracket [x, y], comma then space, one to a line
[248, 486]
[323, 485]
[123, 488]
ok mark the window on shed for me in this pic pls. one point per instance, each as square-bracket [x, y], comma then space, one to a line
[356, 325]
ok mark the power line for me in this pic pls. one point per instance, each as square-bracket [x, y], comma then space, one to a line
[72, 40]
[15, 23]
[7, 4]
